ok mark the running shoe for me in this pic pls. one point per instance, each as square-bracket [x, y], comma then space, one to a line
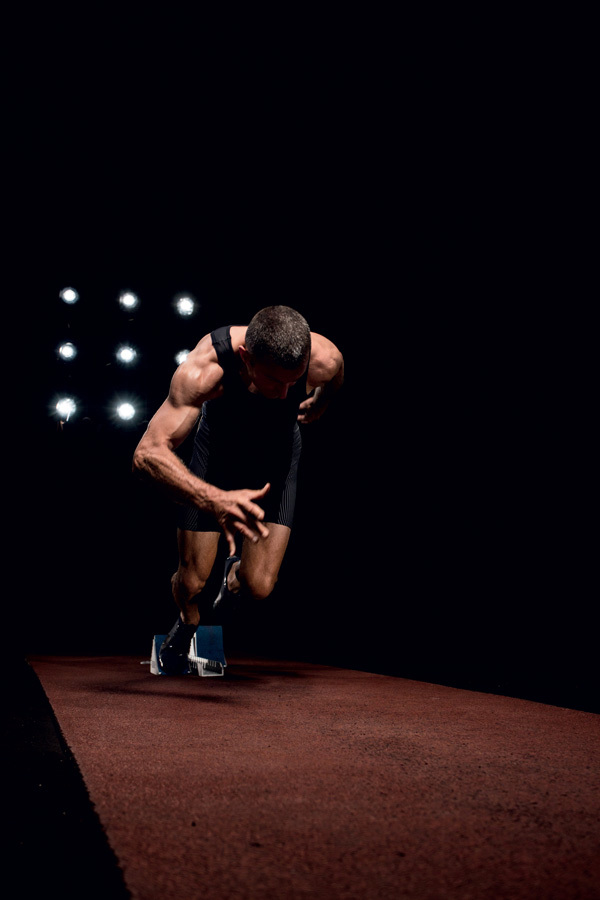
[173, 653]
[226, 602]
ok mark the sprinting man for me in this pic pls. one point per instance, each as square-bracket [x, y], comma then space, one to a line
[251, 386]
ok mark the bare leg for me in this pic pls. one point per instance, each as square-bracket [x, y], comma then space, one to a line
[197, 553]
[258, 570]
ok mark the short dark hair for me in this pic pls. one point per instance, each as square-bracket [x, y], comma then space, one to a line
[279, 335]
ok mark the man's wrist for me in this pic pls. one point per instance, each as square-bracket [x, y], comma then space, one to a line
[208, 497]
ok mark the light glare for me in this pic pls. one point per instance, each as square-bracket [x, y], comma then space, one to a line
[126, 411]
[66, 407]
[69, 295]
[181, 356]
[126, 354]
[185, 305]
[67, 351]
[128, 300]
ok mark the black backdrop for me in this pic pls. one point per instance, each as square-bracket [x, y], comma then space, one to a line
[426, 543]
[434, 535]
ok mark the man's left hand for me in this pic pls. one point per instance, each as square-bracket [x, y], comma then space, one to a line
[310, 409]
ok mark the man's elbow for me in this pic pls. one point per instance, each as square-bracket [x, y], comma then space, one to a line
[136, 463]
[139, 463]
[337, 370]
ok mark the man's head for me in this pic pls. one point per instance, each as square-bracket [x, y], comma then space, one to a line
[278, 335]
[276, 349]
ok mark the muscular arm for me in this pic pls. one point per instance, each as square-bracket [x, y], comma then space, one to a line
[196, 380]
[325, 378]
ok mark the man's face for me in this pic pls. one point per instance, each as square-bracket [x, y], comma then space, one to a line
[272, 381]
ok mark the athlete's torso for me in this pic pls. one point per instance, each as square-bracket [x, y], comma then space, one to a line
[239, 413]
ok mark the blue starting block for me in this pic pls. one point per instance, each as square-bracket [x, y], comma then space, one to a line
[206, 656]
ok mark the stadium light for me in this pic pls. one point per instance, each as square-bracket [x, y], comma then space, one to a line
[126, 411]
[185, 305]
[128, 300]
[67, 351]
[126, 354]
[181, 356]
[66, 407]
[69, 295]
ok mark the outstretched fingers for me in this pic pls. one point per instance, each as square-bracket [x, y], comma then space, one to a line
[244, 516]
[253, 530]
[251, 515]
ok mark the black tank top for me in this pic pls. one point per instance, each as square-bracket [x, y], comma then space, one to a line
[244, 425]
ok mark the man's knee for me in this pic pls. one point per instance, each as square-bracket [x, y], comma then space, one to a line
[256, 584]
[187, 582]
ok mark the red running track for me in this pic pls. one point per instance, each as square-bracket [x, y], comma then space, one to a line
[290, 780]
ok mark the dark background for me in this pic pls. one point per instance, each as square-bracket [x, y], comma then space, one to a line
[392, 191]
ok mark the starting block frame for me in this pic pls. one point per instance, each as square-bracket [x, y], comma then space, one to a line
[206, 657]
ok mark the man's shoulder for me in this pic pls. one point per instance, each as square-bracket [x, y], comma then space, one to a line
[325, 360]
[200, 376]
[323, 352]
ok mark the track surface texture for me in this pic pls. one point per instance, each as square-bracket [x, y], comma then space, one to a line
[292, 780]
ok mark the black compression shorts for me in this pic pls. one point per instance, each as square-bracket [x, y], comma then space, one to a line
[230, 474]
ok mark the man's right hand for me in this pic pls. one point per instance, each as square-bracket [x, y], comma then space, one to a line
[236, 512]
